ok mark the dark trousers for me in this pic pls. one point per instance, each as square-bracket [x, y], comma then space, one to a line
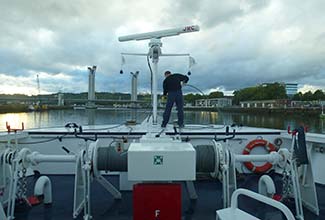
[174, 97]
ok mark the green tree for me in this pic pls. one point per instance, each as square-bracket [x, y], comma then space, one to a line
[319, 95]
[216, 94]
[261, 92]
[191, 98]
[275, 91]
[298, 96]
[308, 96]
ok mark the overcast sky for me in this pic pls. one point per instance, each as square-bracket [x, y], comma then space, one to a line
[241, 43]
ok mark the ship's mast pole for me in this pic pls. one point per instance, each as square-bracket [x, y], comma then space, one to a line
[154, 92]
[154, 53]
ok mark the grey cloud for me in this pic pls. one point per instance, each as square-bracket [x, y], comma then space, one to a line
[211, 13]
[241, 43]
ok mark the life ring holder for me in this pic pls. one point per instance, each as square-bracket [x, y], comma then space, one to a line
[258, 143]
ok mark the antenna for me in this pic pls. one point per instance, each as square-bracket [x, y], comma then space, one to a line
[38, 85]
[155, 52]
[160, 34]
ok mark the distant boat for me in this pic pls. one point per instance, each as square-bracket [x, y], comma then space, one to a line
[91, 106]
[31, 107]
[37, 107]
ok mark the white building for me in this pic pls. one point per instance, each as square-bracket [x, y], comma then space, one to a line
[215, 102]
[291, 89]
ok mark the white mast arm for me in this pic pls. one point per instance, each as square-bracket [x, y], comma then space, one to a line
[135, 54]
[174, 54]
[162, 55]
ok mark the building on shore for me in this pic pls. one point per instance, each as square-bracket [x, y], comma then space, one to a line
[265, 103]
[279, 103]
[214, 102]
[291, 89]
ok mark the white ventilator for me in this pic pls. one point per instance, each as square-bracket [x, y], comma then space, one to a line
[155, 52]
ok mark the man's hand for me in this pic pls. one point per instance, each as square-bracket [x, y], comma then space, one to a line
[163, 98]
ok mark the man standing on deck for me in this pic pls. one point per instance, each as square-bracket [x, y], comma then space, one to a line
[173, 89]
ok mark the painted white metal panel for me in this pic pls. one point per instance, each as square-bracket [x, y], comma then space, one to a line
[234, 214]
[317, 161]
[161, 161]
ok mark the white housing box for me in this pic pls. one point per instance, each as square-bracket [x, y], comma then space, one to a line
[161, 161]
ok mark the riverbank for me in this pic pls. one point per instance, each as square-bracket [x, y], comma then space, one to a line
[285, 111]
[15, 108]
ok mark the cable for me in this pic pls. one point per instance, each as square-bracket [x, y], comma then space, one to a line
[194, 87]
[44, 141]
[151, 74]
[149, 115]
[98, 129]
[206, 96]
[131, 129]
[202, 127]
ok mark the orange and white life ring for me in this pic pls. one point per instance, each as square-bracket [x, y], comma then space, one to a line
[258, 143]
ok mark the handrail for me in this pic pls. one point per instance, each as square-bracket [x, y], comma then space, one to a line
[2, 213]
[43, 187]
[266, 186]
[284, 209]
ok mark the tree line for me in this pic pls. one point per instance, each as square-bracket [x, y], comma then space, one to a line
[310, 96]
[188, 98]
[274, 91]
[261, 92]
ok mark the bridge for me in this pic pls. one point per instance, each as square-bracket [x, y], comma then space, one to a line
[55, 101]
[58, 99]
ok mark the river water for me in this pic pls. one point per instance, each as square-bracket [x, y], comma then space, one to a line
[55, 118]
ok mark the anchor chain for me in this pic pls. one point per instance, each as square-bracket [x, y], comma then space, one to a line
[19, 186]
[286, 184]
[22, 184]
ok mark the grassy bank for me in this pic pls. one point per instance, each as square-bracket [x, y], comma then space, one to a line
[12, 108]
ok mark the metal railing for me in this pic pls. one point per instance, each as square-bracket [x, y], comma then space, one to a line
[284, 209]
